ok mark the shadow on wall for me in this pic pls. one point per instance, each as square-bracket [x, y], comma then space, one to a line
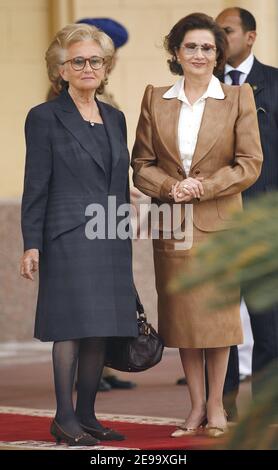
[17, 298]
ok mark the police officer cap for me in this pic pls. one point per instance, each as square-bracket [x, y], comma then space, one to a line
[112, 28]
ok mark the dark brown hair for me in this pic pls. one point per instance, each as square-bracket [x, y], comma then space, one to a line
[190, 22]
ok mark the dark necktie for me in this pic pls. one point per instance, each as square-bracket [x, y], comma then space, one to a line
[235, 74]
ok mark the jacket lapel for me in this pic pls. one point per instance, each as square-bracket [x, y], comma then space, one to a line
[167, 120]
[70, 117]
[113, 134]
[255, 78]
[213, 121]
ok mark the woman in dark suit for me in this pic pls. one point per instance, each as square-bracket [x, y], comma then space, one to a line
[77, 157]
[197, 145]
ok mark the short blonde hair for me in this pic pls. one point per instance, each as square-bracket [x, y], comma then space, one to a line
[70, 34]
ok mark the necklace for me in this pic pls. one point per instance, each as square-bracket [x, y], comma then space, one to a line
[90, 120]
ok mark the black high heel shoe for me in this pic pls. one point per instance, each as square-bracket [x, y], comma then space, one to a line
[104, 434]
[82, 439]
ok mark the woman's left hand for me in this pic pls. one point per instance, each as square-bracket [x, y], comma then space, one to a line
[179, 194]
[188, 189]
[192, 186]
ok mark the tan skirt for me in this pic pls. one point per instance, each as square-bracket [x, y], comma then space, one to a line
[185, 319]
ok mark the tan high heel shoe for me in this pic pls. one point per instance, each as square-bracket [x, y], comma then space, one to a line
[185, 431]
[216, 431]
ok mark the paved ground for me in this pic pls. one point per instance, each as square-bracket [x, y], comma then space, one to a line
[26, 381]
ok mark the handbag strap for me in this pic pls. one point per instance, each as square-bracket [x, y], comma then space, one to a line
[139, 305]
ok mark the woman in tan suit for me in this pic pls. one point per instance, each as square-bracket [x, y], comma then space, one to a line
[198, 144]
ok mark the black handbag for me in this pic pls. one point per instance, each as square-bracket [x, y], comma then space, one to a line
[135, 354]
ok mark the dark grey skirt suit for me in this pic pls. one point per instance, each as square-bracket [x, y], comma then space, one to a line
[85, 286]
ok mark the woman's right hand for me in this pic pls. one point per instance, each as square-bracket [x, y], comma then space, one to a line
[29, 263]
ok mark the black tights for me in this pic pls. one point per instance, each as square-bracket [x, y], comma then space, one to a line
[89, 353]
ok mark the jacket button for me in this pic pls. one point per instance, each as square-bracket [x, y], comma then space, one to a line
[197, 172]
[179, 170]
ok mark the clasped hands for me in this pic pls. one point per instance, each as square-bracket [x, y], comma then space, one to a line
[187, 190]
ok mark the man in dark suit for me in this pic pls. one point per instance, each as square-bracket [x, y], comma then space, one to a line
[242, 66]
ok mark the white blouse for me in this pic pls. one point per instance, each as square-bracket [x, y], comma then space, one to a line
[188, 128]
[191, 117]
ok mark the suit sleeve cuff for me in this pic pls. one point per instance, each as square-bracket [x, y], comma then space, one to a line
[208, 192]
[32, 245]
[166, 189]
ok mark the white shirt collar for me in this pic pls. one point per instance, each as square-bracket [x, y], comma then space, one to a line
[245, 66]
[214, 90]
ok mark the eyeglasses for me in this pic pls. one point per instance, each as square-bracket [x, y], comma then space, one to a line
[190, 48]
[79, 63]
